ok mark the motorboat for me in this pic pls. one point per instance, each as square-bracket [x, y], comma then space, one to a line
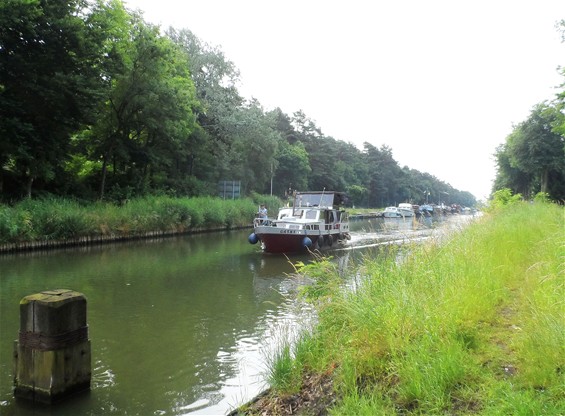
[392, 212]
[316, 220]
[407, 210]
[401, 211]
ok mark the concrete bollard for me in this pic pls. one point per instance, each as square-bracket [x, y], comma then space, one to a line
[52, 358]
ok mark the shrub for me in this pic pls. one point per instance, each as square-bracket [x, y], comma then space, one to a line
[504, 197]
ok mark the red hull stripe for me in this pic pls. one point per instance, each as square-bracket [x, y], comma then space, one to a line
[284, 243]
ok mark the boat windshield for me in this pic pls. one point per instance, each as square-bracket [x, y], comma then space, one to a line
[315, 200]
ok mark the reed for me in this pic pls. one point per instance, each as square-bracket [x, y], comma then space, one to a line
[472, 324]
[283, 372]
[59, 219]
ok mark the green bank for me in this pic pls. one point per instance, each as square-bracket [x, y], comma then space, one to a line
[61, 220]
[471, 324]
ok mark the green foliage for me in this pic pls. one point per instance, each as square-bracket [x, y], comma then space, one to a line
[533, 157]
[51, 219]
[542, 197]
[14, 225]
[504, 197]
[358, 194]
[147, 117]
[50, 83]
[239, 209]
[293, 167]
[471, 324]
[272, 203]
[283, 373]
[98, 103]
[63, 219]
[324, 277]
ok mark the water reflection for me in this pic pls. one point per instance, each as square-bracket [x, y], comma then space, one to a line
[178, 326]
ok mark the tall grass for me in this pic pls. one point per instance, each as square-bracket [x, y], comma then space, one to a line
[63, 219]
[470, 325]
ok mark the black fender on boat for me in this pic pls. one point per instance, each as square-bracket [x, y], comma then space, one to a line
[344, 236]
[316, 245]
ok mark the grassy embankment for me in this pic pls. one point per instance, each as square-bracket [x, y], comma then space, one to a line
[56, 219]
[472, 325]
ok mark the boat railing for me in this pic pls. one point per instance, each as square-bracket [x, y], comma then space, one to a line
[264, 221]
[335, 225]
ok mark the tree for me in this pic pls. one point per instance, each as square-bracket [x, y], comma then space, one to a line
[358, 194]
[509, 177]
[293, 168]
[94, 101]
[349, 165]
[49, 83]
[147, 118]
[384, 176]
[253, 147]
[536, 149]
[559, 126]
[218, 114]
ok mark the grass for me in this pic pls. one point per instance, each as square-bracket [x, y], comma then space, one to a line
[470, 325]
[64, 219]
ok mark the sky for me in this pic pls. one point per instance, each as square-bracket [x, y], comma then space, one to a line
[440, 82]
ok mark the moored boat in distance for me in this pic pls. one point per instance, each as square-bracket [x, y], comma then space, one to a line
[407, 210]
[403, 210]
[315, 220]
[392, 212]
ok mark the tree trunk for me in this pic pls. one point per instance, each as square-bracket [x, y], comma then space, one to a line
[28, 186]
[544, 179]
[103, 180]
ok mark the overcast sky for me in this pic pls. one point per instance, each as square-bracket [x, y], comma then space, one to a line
[441, 82]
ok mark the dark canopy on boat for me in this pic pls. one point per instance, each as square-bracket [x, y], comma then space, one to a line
[326, 199]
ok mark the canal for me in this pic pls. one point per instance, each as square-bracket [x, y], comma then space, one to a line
[180, 325]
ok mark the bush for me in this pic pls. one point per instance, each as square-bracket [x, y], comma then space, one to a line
[542, 197]
[9, 225]
[504, 197]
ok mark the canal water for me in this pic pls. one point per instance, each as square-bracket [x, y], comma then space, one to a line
[181, 325]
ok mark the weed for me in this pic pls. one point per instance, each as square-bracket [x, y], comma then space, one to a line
[469, 324]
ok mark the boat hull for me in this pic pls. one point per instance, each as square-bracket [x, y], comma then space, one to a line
[282, 240]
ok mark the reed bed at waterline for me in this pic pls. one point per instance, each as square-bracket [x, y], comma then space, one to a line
[471, 325]
[37, 222]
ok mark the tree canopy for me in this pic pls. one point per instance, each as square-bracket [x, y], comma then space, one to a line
[96, 103]
[532, 159]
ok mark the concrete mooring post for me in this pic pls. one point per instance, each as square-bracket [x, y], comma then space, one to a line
[52, 353]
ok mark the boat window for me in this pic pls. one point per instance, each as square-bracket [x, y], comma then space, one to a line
[286, 212]
[310, 215]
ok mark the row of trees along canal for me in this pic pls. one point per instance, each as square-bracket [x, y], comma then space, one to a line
[96, 103]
